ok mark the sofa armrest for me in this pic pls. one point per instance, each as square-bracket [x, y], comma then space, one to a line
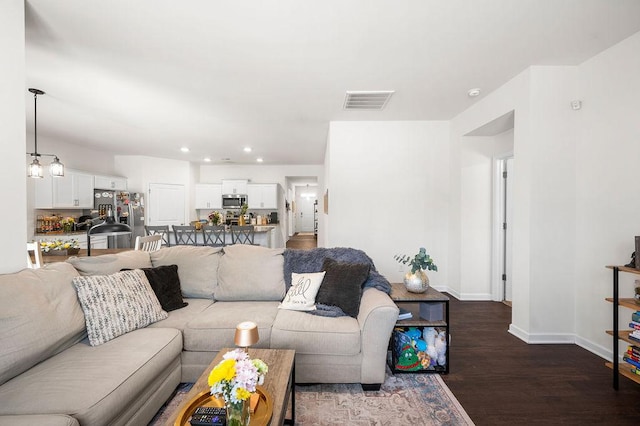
[377, 317]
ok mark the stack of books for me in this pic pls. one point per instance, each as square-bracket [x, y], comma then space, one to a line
[632, 355]
[404, 314]
[635, 326]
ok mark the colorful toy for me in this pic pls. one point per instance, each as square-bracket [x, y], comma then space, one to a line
[430, 338]
[408, 359]
[441, 347]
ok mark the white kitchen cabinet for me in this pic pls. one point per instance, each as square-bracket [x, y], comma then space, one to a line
[234, 186]
[208, 196]
[114, 183]
[44, 192]
[74, 190]
[262, 195]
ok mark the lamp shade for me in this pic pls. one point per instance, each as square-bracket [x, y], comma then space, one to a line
[110, 228]
[246, 334]
[35, 169]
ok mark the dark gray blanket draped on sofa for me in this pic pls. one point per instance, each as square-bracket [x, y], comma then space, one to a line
[301, 261]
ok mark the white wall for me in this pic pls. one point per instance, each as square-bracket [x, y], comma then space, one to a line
[512, 96]
[544, 204]
[476, 211]
[389, 191]
[607, 176]
[13, 95]
[575, 208]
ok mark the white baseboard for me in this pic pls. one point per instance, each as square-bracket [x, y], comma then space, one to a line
[542, 338]
[465, 296]
[601, 351]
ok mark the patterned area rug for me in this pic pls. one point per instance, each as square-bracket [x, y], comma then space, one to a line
[404, 399]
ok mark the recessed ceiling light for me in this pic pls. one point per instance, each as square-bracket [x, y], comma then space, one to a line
[259, 160]
[184, 149]
[247, 149]
[473, 92]
[207, 160]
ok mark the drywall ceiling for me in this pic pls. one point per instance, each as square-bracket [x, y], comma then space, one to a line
[150, 76]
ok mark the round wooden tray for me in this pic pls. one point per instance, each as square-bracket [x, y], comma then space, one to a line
[260, 417]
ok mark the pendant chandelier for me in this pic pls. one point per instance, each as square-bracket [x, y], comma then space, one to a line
[56, 168]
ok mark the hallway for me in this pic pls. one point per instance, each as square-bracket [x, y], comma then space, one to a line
[302, 241]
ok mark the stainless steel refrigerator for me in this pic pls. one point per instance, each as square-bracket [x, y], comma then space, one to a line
[130, 210]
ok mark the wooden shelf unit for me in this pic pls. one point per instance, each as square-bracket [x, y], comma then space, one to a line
[412, 302]
[618, 334]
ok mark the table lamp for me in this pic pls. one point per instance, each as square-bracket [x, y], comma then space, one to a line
[246, 335]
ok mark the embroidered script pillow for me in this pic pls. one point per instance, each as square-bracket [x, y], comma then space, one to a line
[302, 293]
[117, 304]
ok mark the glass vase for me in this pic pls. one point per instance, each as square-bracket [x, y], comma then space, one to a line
[238, 413]
[416, 283]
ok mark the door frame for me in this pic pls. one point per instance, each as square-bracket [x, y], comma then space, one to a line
[497, 238]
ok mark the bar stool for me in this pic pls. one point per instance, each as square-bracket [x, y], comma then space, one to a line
[214, 235]
[185, 235]
[242, 234]
[162, 230]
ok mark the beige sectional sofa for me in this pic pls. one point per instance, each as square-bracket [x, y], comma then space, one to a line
[51, 374]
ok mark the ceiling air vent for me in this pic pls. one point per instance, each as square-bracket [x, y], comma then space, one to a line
[368, 100]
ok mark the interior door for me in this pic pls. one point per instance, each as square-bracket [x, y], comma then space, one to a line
[304, 214]
[166, 204]
[508, 240]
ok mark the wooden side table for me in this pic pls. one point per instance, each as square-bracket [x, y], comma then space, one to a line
[428, 309]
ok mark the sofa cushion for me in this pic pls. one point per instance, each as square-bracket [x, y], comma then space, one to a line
[117, 304]
[250, 273]
[99, 385]
[342, 285]
[181, 317]
[302, 293]
[215, 327]
[39, 317]
[197, 268]
[111, 263]
[165, 282]
[312, 334]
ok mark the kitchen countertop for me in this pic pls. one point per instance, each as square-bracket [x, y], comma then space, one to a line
[61, 234]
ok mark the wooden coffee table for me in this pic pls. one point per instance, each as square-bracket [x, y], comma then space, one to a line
[279, 382]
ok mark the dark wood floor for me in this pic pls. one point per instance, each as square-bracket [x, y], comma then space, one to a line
[302, 241]
[500, 380]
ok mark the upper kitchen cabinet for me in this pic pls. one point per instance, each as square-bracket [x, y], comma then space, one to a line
[44, 191]
[74, 190]
[262, 195]
[114, 183]
[234, 186]
[208, 196]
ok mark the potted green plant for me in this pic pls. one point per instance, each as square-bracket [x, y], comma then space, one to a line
[416, 280]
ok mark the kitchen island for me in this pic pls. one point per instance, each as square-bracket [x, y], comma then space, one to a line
[264, 236]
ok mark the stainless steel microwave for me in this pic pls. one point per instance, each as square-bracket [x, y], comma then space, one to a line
[233, 201]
